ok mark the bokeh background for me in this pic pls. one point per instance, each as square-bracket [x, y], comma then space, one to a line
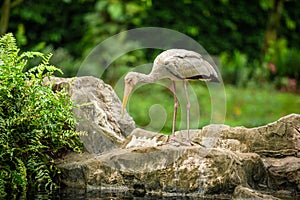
[256, 45]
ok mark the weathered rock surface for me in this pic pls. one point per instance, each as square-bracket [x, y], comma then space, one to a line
[251, 163]
[164, 169]
[242, 193]
[283, 173]
[98, 110]
[277, 139]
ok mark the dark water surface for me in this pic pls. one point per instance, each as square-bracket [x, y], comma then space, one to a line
[78, 194]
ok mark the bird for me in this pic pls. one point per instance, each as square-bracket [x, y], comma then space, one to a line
[177, 65]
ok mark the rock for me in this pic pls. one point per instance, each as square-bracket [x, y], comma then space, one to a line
[164, 169]
[212, 136]
[242, 193]
[283, 173]
[285, 133]
[143, 138]
[219, 162]
[98, 110]
[243, 162]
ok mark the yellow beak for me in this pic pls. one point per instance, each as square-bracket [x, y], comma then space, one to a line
[127, 91]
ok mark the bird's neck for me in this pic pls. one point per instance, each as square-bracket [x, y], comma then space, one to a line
[148, 78]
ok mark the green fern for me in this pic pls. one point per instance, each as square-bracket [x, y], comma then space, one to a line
[36, 124]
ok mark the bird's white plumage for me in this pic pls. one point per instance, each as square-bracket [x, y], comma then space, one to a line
[183, 64]
[175, 64]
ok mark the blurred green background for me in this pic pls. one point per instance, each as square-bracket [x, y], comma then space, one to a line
[256, 44]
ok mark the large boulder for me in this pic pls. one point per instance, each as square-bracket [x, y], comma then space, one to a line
[277, 139]
[164, 169]
[98, 110]
[244, 162]
[221, 163]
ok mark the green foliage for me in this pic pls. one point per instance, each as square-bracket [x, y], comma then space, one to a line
[238, 70]
[235, 69]
[77, 26]
[64, 21]
[290, 64]
[36, 124]
[109, 18]
[217, 25]
[281, 66]
[286, 60]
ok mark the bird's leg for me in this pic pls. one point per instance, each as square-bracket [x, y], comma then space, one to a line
[175, 111]
[187, 111]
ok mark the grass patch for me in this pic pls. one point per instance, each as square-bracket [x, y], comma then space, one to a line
[254, 107]
[151, 106]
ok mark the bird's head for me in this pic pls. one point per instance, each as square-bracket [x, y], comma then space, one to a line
[131, 79]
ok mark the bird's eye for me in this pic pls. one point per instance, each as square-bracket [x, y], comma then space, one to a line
[128, 81]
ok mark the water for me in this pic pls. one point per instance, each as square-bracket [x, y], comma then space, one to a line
[78, 194]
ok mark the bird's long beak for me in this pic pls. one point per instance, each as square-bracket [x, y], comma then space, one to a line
[127, 91]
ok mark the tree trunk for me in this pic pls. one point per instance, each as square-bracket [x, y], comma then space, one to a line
[4, 16]
[5, 12]
[273, 24]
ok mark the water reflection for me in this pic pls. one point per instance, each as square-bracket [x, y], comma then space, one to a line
[79, 194]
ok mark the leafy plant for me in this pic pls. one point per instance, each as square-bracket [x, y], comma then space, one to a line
[285, 61]
[36, 124]
[235, 68]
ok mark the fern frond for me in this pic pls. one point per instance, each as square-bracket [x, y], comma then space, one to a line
[8, 44]
[46, 58]
[34, 118]
[31, 54]
[8, 49]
